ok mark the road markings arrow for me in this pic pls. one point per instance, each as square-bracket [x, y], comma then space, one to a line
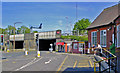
[48, 62]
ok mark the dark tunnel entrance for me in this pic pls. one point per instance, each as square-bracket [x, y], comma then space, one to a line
[18, 44]
[44, 44]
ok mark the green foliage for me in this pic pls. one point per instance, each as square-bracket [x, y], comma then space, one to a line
[78, 38]
[24, 29]
[3, 31]
[10, 30]
[35, 31]
[81, 25]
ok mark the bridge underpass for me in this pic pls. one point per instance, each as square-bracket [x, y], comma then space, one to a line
[18, 44]
[44, 44]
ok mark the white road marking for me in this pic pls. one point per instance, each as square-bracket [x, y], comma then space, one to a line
[28, 64]
[48, 62]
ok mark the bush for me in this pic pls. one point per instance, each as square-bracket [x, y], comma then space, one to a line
[78, 38]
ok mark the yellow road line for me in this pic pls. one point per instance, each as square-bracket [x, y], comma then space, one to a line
[83, 66]
[83, 63]
[90, 63]
[13, 62]
[75, 64]
[62, 63]
[3, 60]
[48, 52]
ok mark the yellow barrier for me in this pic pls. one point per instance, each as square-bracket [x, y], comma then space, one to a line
[8, 50]
[103, 60]
[38, 53]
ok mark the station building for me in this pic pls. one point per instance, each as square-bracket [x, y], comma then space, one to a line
[105, 28]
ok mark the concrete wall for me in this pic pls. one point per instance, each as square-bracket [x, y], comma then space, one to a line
[47, 35]
[18, 37]
[29, 41]
[30, 38]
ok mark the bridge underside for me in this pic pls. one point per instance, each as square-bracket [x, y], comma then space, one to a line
[18, 44]
[44, 44]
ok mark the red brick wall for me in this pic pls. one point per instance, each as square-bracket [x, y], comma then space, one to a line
[117, 23]
[98, 37]
[89, 36]
[108, 36]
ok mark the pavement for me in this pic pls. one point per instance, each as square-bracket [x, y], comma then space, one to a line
[48, 62]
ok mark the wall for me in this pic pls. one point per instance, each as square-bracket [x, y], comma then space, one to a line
[117, 23]
[29, 41]
[108, 36]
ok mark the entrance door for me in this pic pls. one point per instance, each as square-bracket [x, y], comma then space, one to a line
[81, 46]
[75, 48]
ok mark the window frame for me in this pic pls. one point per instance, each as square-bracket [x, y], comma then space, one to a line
[118, 31]
[92, 38]
[103, 38]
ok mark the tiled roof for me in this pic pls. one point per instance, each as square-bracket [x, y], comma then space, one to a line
[107, 16]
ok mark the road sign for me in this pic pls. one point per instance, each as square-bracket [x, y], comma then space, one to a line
[2, 44]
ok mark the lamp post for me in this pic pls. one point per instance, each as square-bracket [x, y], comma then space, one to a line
[14, 33]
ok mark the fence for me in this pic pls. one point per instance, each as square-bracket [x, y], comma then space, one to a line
[110, 60]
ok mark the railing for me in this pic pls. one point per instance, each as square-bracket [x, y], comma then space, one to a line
[110, 60]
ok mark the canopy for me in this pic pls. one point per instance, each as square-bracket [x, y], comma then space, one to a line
[60, 43]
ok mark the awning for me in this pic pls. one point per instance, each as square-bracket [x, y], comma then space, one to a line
[60, 43]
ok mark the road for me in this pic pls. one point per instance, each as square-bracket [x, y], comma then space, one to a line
[52, 62]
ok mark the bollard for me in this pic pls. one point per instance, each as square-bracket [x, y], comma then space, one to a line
[8, 50]
[26, 52]
[38, 53]
[88, 51]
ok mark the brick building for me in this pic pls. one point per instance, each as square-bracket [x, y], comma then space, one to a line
[105, 27]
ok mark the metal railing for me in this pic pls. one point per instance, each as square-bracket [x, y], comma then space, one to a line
[110, 60]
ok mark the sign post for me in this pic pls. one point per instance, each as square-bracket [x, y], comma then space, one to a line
[38, 51]
[51, 49]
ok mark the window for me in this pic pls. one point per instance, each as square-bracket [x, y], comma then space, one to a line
[75, 45]
[94, 38]
[81, 47]
[103, 38]
[118, 36]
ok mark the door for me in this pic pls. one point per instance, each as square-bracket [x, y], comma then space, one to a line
[75, 47]
[81, 48]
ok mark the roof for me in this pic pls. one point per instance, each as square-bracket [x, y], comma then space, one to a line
[107, 16]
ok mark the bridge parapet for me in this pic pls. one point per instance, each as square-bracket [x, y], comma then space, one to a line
[18, 37]
[46, 35]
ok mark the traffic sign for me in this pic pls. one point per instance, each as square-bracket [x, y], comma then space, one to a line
[2, 44]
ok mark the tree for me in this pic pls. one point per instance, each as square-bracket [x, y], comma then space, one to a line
[81, 25]
[3, 31]
[0, 30]
[23, 29]
[10, 29]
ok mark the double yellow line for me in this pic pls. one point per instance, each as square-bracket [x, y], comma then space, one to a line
[75, 64]
[63, 63]
[90, 63]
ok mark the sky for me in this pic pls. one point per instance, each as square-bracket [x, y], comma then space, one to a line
[53, 15]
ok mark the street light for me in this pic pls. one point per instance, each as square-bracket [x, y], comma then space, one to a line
[14, 33]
